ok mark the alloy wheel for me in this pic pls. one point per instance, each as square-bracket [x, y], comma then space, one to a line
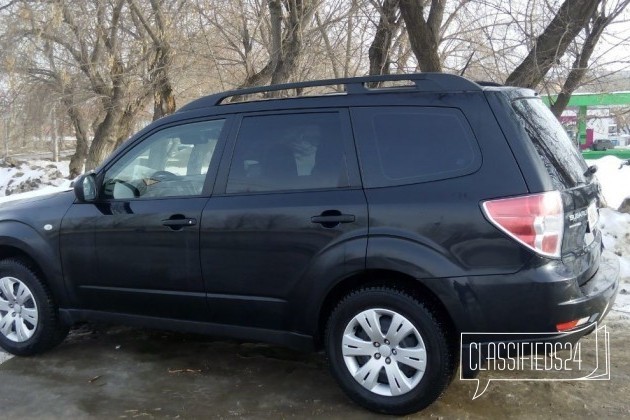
[18, 310]
[384, 352]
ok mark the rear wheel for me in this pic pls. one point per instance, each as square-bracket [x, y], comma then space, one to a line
[388, 351]
[29, 317]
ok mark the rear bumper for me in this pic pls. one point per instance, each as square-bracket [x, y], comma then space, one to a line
[527, 306]
[564, 301]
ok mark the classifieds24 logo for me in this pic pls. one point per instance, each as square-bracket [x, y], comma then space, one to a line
[497, 358]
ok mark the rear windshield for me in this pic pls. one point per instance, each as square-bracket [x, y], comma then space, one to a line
[560, 155]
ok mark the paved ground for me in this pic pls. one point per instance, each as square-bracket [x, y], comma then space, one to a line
[120, 372]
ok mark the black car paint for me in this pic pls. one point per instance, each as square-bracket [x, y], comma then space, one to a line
[23, 232]
[230, 274]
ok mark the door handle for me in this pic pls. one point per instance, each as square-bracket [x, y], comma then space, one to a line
[332, 218]
[176, 223]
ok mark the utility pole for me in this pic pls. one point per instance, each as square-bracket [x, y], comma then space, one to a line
[6, 135]
[53, 133]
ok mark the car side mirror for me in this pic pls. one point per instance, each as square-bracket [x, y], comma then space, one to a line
[85, 187]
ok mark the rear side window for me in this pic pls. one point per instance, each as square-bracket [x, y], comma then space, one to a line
[561, 157]
[288, 152]
[405, 145]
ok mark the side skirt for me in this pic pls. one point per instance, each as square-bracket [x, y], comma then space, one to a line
[292, 340]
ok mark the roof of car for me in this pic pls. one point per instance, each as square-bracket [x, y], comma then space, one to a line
[421, 82]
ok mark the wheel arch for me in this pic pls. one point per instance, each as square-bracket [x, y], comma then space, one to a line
[18, 240]
[383, 277]
[12, 251]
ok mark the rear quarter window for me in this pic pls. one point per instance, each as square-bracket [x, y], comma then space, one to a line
[407, 145]
[561, 157]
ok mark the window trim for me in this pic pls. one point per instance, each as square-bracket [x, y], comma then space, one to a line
[352, 164]
[213, 167]
[367, 147]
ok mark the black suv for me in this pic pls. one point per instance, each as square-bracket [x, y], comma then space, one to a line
[377, 223]
[602, 144]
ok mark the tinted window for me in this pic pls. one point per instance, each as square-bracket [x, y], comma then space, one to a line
[561, 157]
[402, 145]
[288, 152]
[170, 163]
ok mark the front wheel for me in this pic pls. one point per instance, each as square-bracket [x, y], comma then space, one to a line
[388, 351]
[29, 318]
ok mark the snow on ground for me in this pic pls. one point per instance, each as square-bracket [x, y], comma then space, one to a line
[615, 182]
[4, 357]
[615, 226]
[616, 236]
[20, 179]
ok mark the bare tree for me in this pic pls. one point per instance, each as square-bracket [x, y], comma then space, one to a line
[160, 63]
[286, 40]
[336, 27]
[599, 21]
[570, 19]
[388, 25]
[424, 34]
[87, 46]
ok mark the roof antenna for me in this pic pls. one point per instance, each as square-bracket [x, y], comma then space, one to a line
[461, 73]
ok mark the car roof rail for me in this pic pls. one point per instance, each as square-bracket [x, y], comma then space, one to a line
[422, 82]
[488, 83]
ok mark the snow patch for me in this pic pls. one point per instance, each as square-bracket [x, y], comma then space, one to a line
[4, 357]
[20, 180]
[615, 182]
[615, 228]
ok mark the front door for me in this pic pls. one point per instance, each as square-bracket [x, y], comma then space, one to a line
[136, 250]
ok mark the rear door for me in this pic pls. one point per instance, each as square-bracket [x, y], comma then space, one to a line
[288, 202]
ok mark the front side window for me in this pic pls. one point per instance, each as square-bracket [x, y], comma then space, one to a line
[288, 152]
[170, 163]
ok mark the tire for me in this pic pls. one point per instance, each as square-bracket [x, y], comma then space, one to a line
[29, 317]
[422, 383]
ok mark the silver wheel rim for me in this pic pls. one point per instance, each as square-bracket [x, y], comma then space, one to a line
[18, 310]
[384, 352]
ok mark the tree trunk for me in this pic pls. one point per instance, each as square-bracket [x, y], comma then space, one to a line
[163, 96]
[53, 136]
[572, 17]
[125, 126]
[77, 160]
[163, 100]
[379, 51]
[286, 49]
[102, 146]
[105, 137]
[580, 66]
[424, 35]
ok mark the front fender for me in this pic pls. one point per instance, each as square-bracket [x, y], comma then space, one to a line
[42, 247]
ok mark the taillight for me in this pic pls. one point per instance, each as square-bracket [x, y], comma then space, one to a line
[536, 220]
